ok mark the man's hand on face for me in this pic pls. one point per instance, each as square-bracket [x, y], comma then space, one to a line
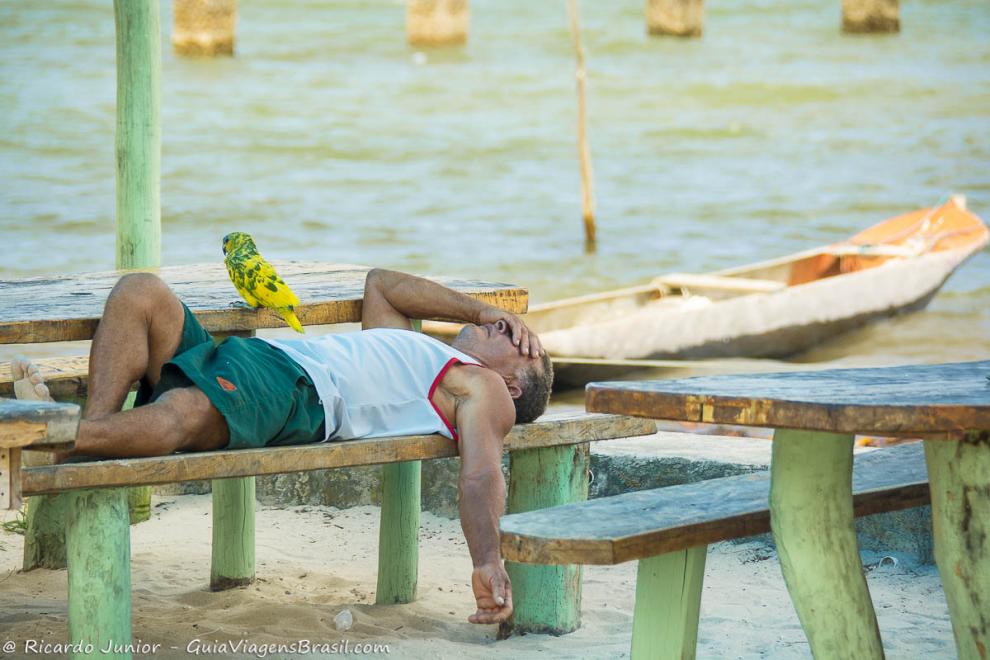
[524, 338]
[492, 593]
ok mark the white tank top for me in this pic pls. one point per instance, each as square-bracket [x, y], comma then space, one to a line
[376, 383]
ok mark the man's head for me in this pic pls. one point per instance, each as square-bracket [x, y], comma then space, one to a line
[529, 379]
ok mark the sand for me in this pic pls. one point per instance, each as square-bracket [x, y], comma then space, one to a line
[313, 562]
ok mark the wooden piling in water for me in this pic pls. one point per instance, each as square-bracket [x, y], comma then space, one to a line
[860, 16]
[437, 22]
[678, 18]
[204, 27]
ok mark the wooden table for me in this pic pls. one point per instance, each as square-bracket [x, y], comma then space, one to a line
[30, 425]
[68, 307]
[816, 415]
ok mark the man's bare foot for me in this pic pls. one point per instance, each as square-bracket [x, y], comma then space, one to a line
[28, 383]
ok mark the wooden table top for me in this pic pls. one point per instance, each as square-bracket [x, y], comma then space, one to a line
[68, 307]
[895, 401]
[28, 424]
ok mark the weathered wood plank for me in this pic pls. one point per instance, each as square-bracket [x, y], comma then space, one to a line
[551, 430]
[611, 530]
[894, 401]
[698, 281]
[63, 308]
[37, 424]
[66, 377]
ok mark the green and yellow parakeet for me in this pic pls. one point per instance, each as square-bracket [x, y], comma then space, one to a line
[256, 280]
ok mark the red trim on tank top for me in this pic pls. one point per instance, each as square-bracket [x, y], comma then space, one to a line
[433, 388]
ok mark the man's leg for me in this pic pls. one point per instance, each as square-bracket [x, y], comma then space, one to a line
[140, 331]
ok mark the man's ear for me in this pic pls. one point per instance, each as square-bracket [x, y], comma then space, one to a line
[515, 391]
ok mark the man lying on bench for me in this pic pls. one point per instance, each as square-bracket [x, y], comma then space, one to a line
[195, 395]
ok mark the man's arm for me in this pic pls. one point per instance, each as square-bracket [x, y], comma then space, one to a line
[392, 298]
[484, 417]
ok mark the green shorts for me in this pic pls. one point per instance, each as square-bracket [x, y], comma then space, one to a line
[265, 397]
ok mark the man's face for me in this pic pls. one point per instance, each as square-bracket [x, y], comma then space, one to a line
[492, 345]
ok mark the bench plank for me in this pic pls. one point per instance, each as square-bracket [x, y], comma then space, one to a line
[69, 307]
[37, 423]
[611, 530]
[551, 430]
[883, 401]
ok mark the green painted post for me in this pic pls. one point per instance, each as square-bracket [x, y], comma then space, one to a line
[98, 546]
[668, 603]
[547, 599]
[138, 141]
[44, 536]
[811, 516]
[398, 535]
[233, 562]
[139, 66]
[398, 532]
[959, 479]
[233, 533]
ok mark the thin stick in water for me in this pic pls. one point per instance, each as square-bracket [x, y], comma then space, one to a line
[584, 153]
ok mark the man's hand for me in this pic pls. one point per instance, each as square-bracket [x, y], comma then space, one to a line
[524, 338]
[492, 593]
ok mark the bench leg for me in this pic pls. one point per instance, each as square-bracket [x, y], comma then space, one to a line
[547, 599]
[398, 533]
[44, 537]
[812, 520]
[98, 545]
[233, 533]
[959, 479]
[668, 602]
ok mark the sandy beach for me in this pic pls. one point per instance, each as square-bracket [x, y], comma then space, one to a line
[314, 562]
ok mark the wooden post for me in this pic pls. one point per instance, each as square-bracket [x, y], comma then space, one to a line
[668, 603]
[811, 516]
[584, 153]
[959, 479]
[99, 552]
[398, 531]
[44, 537]
[139, 65]
[871, 16]
[398, 535]
[232, 562]
[547, 599]
[678, 18]
[204, 27]
[437, 22]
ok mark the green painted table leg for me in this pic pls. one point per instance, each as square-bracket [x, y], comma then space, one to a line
[233, 533]
[98, 545]
[668, 602]
[398, 535]
[44, 536]
[547, 599]
[812, 519]
[398, 532]
[959, 479]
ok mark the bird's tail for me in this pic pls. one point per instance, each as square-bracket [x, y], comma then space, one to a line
[290, 318]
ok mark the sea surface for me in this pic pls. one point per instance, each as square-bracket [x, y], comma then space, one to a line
[327, 137]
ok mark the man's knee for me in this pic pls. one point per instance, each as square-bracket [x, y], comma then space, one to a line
[144, 292]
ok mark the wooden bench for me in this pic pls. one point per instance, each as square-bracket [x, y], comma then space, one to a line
[97, 534]
[668, 530]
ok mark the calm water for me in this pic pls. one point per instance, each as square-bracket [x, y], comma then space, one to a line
[328, 138]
